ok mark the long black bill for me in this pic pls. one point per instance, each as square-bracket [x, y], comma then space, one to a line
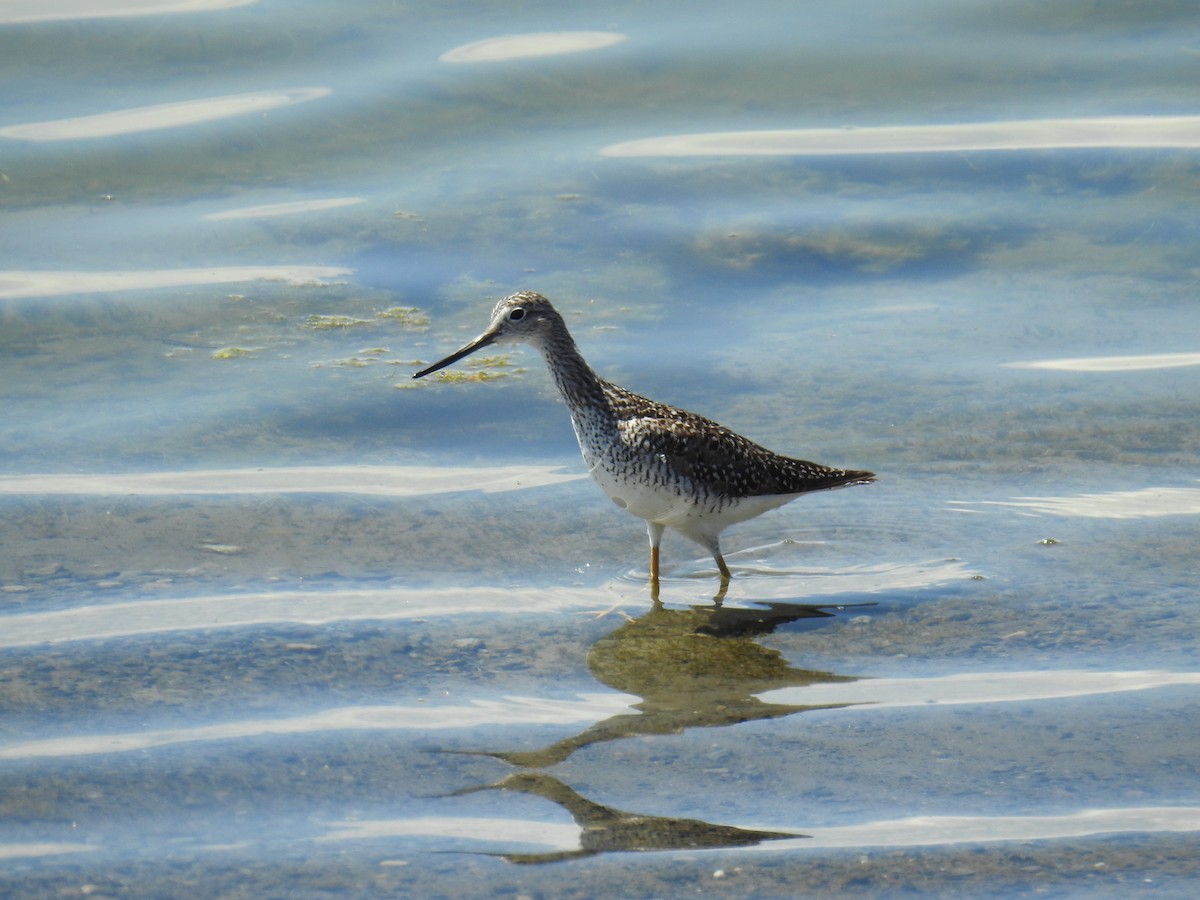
[482, 341]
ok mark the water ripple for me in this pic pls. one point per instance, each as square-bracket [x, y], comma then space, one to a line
[1035, 134]
[115, 620]
[1146, 503]
[15, 284]
[380, 481]
[524, 46]
[914, 831]
[1113, 363]
[161, 115]
[15, 11]
[861, 696]
[977, 687]
[292, 208]
[424, 717]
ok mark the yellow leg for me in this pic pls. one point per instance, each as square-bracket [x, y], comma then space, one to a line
[719, 596]
[655, 532]
[725, 576]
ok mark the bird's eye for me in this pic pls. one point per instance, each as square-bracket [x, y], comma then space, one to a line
[516, 315]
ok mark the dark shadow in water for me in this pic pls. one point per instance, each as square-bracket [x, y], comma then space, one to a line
[694, 668]
[606, 830]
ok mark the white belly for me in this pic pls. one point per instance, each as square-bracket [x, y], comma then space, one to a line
[676, 505]
[664, 505]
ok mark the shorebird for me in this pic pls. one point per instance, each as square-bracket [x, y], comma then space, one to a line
[670, 467]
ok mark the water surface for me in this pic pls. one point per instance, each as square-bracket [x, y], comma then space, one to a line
[278, 620]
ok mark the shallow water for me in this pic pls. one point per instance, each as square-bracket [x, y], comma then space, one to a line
[279, 621]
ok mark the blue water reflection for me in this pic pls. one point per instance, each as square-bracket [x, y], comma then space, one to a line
[275, 619]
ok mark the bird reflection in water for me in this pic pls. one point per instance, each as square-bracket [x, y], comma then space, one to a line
[693, 668]
[607, 830]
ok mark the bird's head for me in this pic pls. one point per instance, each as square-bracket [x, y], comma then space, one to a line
[521, 318]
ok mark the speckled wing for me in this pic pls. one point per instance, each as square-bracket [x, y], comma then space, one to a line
[704, 452]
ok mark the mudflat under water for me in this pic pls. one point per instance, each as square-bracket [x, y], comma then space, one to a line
[276, 620]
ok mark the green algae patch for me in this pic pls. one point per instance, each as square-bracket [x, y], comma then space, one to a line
[234, 352]
[484, 368]
[463, 377]
[322, 322]
[406, 316]
[502, 361]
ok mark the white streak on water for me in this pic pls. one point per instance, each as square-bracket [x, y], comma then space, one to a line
[223, 611]
[918, 831]
[159, 116]
[13, 11]
[33, 850]
[915, 831]
[17, 285]
[863, 696]
[1141, 504]
[1035, 134]
[978, 687]
[554, 835]
[379, 481]
[525, 46]
[1112, 363]
[295, 207]
[424, 717]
